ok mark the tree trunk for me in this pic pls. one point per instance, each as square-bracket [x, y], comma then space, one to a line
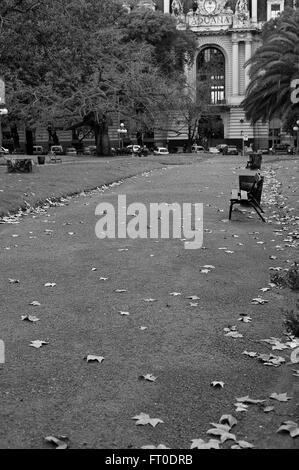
[29, 142]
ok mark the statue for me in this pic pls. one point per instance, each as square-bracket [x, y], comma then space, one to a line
[242, 16]
[177, 8]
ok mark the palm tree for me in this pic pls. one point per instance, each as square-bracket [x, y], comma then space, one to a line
[273, 67]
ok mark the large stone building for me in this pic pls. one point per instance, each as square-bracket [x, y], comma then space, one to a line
[228, 33]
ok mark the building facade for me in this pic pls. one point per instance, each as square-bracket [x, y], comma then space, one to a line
[228, 33]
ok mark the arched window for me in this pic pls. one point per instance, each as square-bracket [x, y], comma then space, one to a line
[211, 70]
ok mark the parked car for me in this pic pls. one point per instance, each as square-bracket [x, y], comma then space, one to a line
[197, 148]
[71, 151]
[222, 147]
[280, 149]
[57, 149]
[38, 150]
[133, 148]
[263, 151]
[161, 151]
[214, 150]
[231, 150]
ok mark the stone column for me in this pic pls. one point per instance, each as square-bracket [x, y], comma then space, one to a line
[235, 67]
[166, 6]
[248, 53]
[254, 11]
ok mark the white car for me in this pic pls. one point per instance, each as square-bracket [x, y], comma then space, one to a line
[161, 151]
[4, 151]
[213, 150]
[197, 148]
[133, 148]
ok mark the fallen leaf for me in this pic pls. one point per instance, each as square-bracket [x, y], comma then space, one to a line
[201, 444]
[123, 313]
[150, 300]
[240, 407]
[205, 271]
[208, 266]
[259, 301]
[296, 373]
[234, 334]
[120, 291]
[290, 427]
[35, 303]
[245, 319]
[50, 284]
[143, 328]
[149, 377]
[58, 442]
[37, 343]
[267, 409]
[103, 278]
[280, 397]
[92, 358]
[217, 384]
[144, 419]
[29, 318]
[242, 445]
[231, 420]
[193, 297]
[249, 400]
[224, 434]
[14, 281]
[265, 289]
[250, 353]
[175, 294]
[94, 269]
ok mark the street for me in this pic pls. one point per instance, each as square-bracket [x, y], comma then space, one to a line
[157, 325]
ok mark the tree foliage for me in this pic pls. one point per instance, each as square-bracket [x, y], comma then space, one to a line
[273, 67]
[80, 60]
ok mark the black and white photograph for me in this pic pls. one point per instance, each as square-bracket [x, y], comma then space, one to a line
[149, 229]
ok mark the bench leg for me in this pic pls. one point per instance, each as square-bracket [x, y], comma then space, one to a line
[257, 211]
[230, 210]
[257, 204]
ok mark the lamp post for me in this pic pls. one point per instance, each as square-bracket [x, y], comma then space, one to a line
[122, 132]
[296, 129]
[3, 112]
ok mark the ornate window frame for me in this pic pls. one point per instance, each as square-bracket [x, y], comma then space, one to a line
[274, 2]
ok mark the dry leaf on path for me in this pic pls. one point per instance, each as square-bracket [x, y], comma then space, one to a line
[296, 373]
[267, 409]
[217, 384]
[193, 297]
[280, 397]
[245, 319]
[59, 442]
[249, 400]
[50, 284]
[35, 303]
[231, 420]
[14, 281]
[240, 407]
[290, 427]
[150, 300]
[201, 444]
[259, 301]
[30, 318]
[175, 294]
[148, 377]
[38, 343]
[242, 445]
[92, 358]
[120, 291]
[224, 434]
[124, 313]
[144, 419]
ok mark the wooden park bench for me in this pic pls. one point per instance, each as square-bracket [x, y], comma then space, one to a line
[19, 164]
[249, 193]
